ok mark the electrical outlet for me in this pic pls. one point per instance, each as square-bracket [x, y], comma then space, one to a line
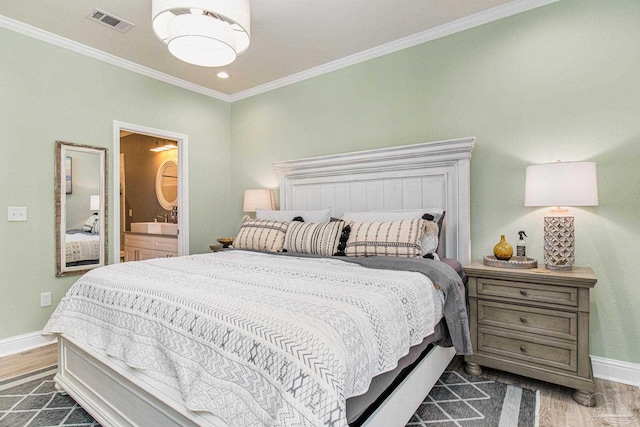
[17, 213]
[45, 299]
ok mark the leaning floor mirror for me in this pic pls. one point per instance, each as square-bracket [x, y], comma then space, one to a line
[81, 208]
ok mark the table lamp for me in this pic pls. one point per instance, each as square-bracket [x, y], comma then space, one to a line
[94, 202]
[560, 184]
[258, 199]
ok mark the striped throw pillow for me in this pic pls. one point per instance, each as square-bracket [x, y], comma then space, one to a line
[313, 238]
[391, 238]
[261, 235]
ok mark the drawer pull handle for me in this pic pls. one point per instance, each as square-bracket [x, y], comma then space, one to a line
[523, 349]
[523, 319]
[523, 292]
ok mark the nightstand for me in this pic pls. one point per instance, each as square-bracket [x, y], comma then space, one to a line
[534, 323]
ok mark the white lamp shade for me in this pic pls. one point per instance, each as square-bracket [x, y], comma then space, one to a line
[94, 203]
[258, 199]
[561, 184]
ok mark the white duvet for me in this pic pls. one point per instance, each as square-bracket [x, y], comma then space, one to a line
[81, 247]
[256, 339]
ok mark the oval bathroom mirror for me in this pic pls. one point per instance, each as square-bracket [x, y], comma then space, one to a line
[167, 184]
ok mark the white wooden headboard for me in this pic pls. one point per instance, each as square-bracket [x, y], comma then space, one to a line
[427, 175]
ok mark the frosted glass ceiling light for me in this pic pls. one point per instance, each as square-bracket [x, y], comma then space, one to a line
[209, 33]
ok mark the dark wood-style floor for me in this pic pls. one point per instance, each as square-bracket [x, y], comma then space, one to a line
[617, 404]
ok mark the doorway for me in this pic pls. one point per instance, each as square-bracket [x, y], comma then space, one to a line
[152, 187]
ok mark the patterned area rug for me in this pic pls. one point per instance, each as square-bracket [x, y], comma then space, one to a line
[457, 399]
[33, 401]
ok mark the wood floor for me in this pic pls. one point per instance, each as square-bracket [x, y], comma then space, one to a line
[28, 361]
[617, 404]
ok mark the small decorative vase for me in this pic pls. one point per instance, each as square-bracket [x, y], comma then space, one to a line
[503, 250]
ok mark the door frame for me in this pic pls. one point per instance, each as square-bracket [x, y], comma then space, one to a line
[183, 182]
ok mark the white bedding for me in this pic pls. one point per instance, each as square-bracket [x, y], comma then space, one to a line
[256, 339]
[81, 247]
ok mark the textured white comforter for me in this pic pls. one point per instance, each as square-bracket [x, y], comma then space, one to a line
[256, 339]
[81, 247]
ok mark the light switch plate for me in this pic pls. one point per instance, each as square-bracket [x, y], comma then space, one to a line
[17, 213]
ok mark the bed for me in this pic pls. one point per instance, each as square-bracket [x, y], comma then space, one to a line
[128, 381]
[81, 248]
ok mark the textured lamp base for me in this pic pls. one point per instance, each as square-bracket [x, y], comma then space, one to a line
[559, 242]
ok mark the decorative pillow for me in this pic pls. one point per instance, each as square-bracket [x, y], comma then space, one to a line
[323, 215]
[261, 235]
[431, 238]
[429, 241]
[90, 224]
[313, 238]
[394, 215]
[391, 238]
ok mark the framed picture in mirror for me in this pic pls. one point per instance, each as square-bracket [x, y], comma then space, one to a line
[68, 171]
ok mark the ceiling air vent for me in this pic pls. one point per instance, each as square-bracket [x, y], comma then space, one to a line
[110, 20]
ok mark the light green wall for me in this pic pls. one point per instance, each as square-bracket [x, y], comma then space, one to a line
[48, 93]
[557, 82]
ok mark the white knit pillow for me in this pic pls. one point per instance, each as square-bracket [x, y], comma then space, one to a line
[392, 238]
[313, 238]
[322, 215]
[261, 235]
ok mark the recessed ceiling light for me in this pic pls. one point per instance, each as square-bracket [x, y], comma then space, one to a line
[223, 75]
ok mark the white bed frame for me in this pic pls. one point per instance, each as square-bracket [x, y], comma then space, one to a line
[429, 175]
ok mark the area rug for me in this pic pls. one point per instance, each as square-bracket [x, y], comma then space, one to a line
[457, 399]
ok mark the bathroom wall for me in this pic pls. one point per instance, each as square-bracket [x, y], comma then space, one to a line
[141, 167]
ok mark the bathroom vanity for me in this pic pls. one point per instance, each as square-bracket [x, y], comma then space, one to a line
[145, 246]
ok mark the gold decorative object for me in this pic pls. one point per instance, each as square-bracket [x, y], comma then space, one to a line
[514, 262]
[226, 241]
[503, 250]
[215, 248]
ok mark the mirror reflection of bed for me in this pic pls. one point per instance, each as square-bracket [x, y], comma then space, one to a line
[80, 207]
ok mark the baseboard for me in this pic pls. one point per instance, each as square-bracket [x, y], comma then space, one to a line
[616, 370]
[20, 343]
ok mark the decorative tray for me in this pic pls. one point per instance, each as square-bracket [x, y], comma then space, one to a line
[514, 262]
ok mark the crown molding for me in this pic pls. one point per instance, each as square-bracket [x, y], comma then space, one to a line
[484, 17]
[47, 37]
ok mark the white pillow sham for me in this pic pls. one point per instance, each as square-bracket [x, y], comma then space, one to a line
[322, 215]
[393, 215]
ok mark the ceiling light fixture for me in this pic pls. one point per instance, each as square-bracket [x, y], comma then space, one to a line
[209, 33]
[223, 75]
[159, 146]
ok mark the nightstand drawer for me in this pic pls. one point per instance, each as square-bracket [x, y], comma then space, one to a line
[530, 292]
[528, 348]
[549, 323]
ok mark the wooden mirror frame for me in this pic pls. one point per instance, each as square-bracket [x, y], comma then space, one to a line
[63, 149]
